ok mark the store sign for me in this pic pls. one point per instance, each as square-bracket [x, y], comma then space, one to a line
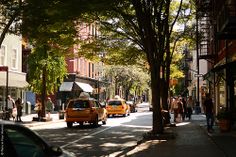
[3, 68]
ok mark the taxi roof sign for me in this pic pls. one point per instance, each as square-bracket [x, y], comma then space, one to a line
[117, 97]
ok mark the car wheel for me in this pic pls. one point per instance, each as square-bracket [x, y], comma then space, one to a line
[95, 123]
[69, 124]
[124, 115]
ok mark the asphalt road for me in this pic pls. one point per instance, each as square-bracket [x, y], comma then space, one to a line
[118, 136]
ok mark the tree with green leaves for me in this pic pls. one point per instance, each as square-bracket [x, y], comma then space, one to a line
[10, 19]
[52, 37]
[128, 77]
[51, 27]
[145, 29]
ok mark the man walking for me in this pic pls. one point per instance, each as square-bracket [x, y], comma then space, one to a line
[10, 105]
[209, 111]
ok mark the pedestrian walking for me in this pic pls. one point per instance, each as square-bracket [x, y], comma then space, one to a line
[174, 108]
[189, 104]
[10, 107]
[49, 106]
[38, 108]
[19, 107]
[209, 111]
[184, 108]
[180, 108]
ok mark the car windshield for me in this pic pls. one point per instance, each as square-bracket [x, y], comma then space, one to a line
[116, 102]
[79, 104]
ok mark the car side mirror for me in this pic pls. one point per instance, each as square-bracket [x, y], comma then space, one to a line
[55, 151]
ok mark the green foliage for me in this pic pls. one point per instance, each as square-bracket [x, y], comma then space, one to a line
[129, 77]
[176, 73]
[10, 10]
[55, 70]
[52, 35]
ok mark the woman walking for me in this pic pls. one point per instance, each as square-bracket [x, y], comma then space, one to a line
[19, 107]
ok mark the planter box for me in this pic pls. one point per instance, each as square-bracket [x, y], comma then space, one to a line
[224, 125]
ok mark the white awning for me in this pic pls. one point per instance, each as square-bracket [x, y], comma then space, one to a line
[14, 83]
[85, 87]
[66, 86]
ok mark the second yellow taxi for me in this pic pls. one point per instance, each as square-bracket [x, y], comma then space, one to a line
[117, 106]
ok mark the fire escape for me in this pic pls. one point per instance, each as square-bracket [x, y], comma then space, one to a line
[204, 38]
[205, 33]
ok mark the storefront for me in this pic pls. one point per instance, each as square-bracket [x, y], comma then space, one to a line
[225, 85]
[16, 87]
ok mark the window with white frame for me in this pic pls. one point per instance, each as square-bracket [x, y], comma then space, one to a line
[14, 59]
[2, 55]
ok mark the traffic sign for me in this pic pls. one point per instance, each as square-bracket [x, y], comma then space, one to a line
[198, 75]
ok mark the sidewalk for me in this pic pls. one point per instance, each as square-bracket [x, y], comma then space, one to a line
[27, 119]
[192, 140]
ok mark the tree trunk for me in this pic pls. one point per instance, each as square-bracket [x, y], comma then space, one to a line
[44, 95]
[155, 85]
[44, 89]
[165, 103]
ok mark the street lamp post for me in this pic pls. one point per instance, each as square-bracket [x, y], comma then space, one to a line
[197, 57]
[98, 89]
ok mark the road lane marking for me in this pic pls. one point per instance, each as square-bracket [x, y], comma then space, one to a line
[95, 133]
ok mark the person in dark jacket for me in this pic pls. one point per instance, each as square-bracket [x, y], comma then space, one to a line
[19, 107]
[209, 111]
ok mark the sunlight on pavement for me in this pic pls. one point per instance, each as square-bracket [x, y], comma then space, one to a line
[123, 145]
[182, 123]
[144, 146]
[137, 126]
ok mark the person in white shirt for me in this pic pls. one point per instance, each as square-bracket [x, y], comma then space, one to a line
[10, 102]
[10, 105]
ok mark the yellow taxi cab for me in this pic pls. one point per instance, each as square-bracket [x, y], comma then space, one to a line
[85, 110]
[117, 106]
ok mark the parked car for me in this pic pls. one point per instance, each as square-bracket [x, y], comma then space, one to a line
[117, 106]
[132, 106]
[85, 110]
[19, 141]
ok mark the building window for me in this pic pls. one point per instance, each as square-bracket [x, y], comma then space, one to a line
[2, 55]
[89, 69]
[85, 68]
[14, 59]
[93, 71]
[222, 93]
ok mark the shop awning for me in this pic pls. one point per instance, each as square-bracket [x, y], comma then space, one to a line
[14, 83]
[223, 66]
[66, 86]
[85, 87]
